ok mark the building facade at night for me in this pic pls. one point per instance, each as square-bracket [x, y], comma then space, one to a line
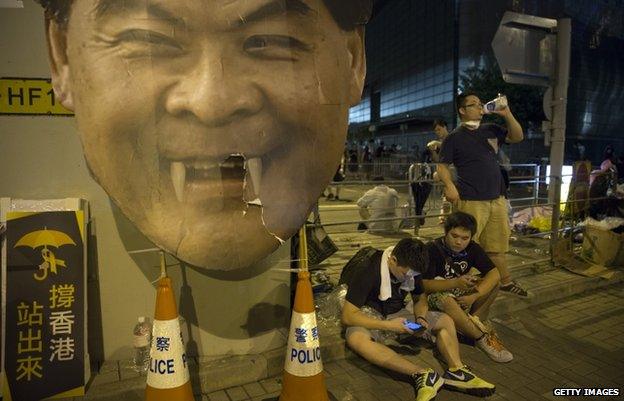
[417, 53]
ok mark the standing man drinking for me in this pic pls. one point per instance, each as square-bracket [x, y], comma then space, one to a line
[472, 148]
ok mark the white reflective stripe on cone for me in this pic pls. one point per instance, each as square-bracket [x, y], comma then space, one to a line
[168, 367]
[303, 355]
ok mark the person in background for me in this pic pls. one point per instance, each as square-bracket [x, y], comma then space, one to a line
[619, 166]
[333, 191]
[367, 160]
[441, 131]
[378, 203]
[433, 147]
[352, 167]
[607, 166]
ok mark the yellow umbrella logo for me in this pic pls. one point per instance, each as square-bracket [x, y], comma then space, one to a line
[44, 238]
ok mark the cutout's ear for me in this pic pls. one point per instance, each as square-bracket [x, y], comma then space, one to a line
[357, 60]
[56, 36]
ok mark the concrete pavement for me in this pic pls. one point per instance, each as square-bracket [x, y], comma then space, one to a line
[575, 342]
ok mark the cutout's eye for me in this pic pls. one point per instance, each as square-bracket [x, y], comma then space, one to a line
[255, 42]
[279, 47]
[141, 42]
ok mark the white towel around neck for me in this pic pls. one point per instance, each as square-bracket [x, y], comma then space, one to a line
[385, 289]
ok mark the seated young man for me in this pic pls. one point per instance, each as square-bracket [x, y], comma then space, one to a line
[454, 290]
[382, 282]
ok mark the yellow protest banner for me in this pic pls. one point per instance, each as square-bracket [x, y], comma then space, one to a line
[29, 96]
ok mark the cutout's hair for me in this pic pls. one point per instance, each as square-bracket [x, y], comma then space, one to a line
[348, 14]
[411, 253]
[462, 220]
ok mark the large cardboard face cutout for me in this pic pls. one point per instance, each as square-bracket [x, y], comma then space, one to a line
[213, 124]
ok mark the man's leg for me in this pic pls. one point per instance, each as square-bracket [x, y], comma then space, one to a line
[495, 241]
[443, 328]
[488, 343]
[449, 305]
[458, 376]
[480, 210]
[494, 238]
[500, 260]
[380, 355]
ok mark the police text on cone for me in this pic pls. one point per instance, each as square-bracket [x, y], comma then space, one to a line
[303, 376]
[168, 374]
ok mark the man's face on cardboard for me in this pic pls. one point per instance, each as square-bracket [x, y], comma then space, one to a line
[213, 124]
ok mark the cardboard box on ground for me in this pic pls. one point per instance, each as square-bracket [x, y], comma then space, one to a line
[603, 247]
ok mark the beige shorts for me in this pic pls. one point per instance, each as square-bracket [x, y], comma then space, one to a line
[431, 316]
[492, 223]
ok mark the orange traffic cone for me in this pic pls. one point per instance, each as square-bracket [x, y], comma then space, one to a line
[168, 375]
[303, 378]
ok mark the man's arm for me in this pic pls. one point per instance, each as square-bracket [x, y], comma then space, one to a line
[488, 283]
[450, 191]
[353, 316]
[420, 309]
[514, 129]
[463, 282]
[484, 287]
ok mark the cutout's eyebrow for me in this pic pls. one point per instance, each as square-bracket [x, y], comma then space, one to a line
[105, 8]
[274, 8]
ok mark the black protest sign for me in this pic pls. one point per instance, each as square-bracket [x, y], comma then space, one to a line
[45, 304]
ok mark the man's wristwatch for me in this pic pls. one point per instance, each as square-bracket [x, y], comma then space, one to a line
[421, 318]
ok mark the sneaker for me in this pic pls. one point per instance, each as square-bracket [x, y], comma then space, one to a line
[514, 288]
[494, 348]
[427, 385]
[465, 381]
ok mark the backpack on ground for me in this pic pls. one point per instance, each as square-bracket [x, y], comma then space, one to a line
[359, 260]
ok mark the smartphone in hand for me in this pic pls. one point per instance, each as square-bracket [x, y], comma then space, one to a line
[415, 327]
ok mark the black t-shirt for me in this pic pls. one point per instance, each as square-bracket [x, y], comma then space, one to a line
[443, 264]
[473, 153]
[364, 288]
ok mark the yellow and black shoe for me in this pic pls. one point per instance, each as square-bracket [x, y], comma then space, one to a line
[465, 381]
[427, 385]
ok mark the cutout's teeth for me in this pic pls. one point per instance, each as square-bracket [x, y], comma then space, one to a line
[178, 178]
[254, 168]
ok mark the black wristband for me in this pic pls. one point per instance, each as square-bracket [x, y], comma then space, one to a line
[421, 317]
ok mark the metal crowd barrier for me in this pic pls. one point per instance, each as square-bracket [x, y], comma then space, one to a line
[534, 183]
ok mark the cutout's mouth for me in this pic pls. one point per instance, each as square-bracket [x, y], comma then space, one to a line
[201, 180]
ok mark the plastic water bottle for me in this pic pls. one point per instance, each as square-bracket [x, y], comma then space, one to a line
[495, 105]
[141, 343]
